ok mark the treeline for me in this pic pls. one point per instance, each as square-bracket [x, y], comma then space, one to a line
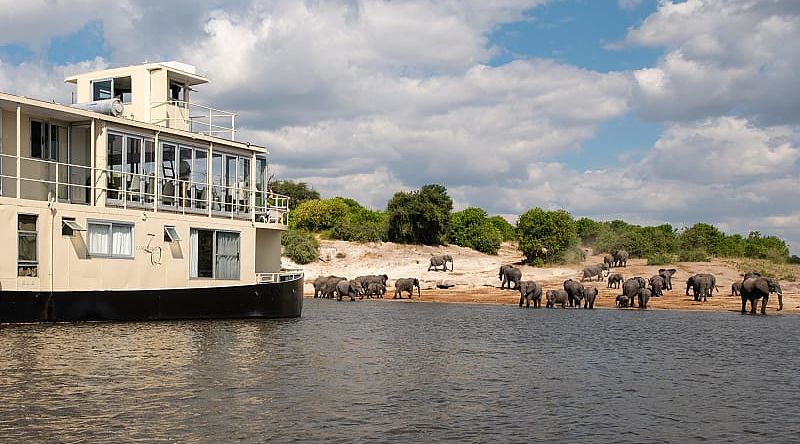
[426, 216]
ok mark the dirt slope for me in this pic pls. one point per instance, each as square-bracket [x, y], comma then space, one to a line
[475, 278]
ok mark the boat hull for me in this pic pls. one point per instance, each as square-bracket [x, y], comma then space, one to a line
[270, 300]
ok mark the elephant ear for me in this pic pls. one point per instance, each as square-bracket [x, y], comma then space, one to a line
[763, 285]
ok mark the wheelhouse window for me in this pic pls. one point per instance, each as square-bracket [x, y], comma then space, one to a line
[45, 138]
[214, 254]
[27, 257]
[116, 88]
[110, 239]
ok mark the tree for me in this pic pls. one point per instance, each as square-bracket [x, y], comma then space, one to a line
[471, 228]
[506, 229]
[546, 236]
[298, 192]
[421, 217]
[588, 230]
[701, 236]
[318, 214]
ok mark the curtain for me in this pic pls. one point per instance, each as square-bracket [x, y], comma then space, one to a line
[227, 265]
[194, 247]
[122, 240]
[99, 237]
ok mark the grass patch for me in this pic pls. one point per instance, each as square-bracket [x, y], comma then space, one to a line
[693, 256]
[660, 259]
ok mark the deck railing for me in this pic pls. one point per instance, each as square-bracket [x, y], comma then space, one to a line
[285, 275]
[72, 183]
[194, 117]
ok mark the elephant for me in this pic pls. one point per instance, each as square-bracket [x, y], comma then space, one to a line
[589, 296]
[574, 291]
[667, 275]
[657, 284]
[509, 274]
[758, 287]
[736, 288]
[599, 270]
[441, 260]
[530, 291]
[325, 286]
[406, 284]
[615, 280]
[620, 258]
[631, 287]
[644, 297]
[556, 297]
[376, 289]
[379, 279]
[608, 260]
[702, 285]
[621, 301]
[349, 288]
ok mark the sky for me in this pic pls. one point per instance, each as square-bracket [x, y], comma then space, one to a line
[648, 111]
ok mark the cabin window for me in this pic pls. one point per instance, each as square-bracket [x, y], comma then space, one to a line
[177, 92]
[185, 173]
[130, 161]
[116, 88]
[44, 140]
[171, 234]
[27, 258]
[110, 239]
[69, 226]
[214, 254]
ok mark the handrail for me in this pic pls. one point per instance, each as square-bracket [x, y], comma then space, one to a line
[285, 275]
[205, 120]
[137, 190]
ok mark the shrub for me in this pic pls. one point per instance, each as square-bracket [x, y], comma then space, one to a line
[695, 255]
[420, 217]
[546, 234]
[471, 228]
[361, 225]
[318, 215]
[660, 259]
[300, 246]
[795, 259]
[298, 192]
[506, 229]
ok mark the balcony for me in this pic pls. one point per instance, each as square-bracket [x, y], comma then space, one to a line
[188, 116]
[72, 183]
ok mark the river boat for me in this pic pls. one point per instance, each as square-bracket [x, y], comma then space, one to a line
[134, 203]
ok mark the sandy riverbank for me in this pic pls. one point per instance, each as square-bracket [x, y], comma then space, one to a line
[474, 279]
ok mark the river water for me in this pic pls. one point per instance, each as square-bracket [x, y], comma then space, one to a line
[407, 372]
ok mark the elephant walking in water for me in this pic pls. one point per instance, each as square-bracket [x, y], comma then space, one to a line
[758, 287]
[406, 284]
[574, 291]
[441, 260]
[589, 296]
[556, 297]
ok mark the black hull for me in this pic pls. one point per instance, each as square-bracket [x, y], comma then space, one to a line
[273, 300]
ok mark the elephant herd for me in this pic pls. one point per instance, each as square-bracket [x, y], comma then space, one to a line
[331, 287]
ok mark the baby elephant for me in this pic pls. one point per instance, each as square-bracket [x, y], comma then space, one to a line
[622, 301]
[736, 288]
[556, 297]
[406, 284]
[589, 296]
[644, 297]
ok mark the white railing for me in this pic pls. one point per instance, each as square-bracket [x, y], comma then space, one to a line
[72, 183]
[194, 117]
[286, 275]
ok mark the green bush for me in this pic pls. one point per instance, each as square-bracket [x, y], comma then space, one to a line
[795, 259]
[471, 228]
[298, 192]
[300, 246]
[318, 214]
[547, 235]
[695, 255]
[660, 259]
[506, 229]
[766, 247]
[360, 225]
[420, 217]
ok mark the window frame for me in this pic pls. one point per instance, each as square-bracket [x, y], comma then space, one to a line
[46, 150]
[142, 196]
[110, 254]
[215, 254]
[113, 89]
[35, 234]
[172, 236]
[69, 226]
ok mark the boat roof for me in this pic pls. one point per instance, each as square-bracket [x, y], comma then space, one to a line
[177, 70]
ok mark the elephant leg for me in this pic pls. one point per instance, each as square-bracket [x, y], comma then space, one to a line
[764, 305]
[521, 298]
[780, 301]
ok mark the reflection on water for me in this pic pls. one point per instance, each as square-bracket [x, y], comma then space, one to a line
[396, 372]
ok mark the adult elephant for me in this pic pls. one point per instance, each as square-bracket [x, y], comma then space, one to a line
[376, 289]
[406, 284]
[509, 274]
[615, 280]
[608, 260]
[380, 280]
[530, 291]
[325, 286]
[589, 296]
[599, 270]
[630, 288]
[556, 297]
[702, 285]
[657, 285]
[620, 258]
[758, 287]
[574, 291]
[441, 260]
[667, 274]
[348, 288]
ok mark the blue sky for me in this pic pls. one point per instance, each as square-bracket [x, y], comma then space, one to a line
[676, 112]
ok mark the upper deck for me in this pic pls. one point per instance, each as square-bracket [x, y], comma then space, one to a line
[148, 158]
